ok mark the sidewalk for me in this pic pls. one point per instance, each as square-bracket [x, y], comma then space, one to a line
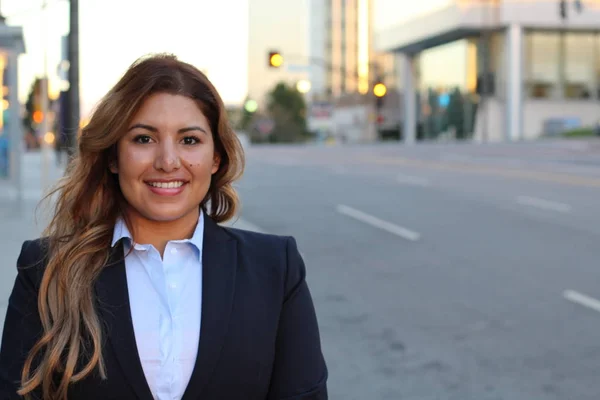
[19, 220]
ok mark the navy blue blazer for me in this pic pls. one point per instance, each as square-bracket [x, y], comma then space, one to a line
[259, 333]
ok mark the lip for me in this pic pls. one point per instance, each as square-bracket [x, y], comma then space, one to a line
[166, 191]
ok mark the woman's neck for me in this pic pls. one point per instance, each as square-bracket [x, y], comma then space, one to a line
[158, 233]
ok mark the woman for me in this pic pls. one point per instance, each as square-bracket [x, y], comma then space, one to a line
[135, 291]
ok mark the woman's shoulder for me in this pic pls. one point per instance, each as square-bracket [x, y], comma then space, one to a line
[33, 257]
[258, 240]
[279, 254]
[34, 250]
[264, 247]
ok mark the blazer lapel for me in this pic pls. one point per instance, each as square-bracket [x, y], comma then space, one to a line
[219, 263]
[113, 301]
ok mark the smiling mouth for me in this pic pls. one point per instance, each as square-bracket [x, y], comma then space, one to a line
[167, 185]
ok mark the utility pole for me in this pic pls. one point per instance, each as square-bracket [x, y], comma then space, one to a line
[73, 94]
[485, 48]
[2, 17]
[44, 83]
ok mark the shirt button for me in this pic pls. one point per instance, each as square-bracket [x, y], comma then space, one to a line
[173, 286]
[173, 251]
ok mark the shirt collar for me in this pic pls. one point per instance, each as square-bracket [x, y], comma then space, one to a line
[122, 232]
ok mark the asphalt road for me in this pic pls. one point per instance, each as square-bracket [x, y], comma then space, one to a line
[444, 271]
[450, 272]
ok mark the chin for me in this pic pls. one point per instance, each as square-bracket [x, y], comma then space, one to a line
[165, 215]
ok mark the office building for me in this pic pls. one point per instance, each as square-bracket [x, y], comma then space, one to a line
[341, 48]
[512, 69]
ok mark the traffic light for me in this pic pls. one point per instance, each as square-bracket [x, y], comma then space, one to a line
[379, 90]
[563, 9]
[578, 5]
[275, 59]
[38, 116]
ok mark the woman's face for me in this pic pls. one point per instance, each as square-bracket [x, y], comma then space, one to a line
[166, 158]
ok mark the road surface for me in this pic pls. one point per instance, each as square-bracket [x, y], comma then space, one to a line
[465, 272]
[454, 272]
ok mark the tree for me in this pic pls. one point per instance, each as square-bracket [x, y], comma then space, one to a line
[432, 121]
[287, 108]
[245, 121]
[28, 122]
[456, 114]
[33, 104]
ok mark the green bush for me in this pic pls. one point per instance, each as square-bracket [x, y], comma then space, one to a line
[580, 132]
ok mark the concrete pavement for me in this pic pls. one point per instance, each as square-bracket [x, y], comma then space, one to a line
[19, 221]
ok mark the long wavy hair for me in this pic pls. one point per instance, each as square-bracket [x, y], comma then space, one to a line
[88, 203]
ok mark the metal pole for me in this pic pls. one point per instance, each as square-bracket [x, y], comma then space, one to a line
[73, 105]
[484, 47]
[44, 128]
[15, 129]
[409, 129]
[2, 17]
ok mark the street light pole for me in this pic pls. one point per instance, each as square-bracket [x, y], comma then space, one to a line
[44, 83]
[2, 17]
[73, 104]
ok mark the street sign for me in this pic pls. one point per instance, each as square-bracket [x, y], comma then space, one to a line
[321, 110]
[297, 68]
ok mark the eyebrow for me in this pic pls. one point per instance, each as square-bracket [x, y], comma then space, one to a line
[153, 129]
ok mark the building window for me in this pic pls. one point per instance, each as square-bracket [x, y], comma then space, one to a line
[541, 64]
[579, 69]
[453, 56]
[490, 65]
[447, 100]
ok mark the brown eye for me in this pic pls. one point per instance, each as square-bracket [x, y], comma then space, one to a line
[190, 140]
[142, 139]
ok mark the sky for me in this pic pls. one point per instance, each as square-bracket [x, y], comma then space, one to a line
[280, 26]
[213, 35]
[210, 34]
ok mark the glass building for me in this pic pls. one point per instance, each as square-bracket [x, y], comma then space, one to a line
[341, 49]
[498, 70]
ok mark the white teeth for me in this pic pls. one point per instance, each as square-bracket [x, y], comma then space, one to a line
[166, 185]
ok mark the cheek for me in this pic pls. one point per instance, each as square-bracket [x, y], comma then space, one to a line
[201, 171]
[199, 165]
[133, 161]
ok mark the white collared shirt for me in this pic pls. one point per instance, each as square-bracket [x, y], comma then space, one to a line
[165, 297]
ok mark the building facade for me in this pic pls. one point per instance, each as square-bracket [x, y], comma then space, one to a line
[341, 49]
[344, 67]
[11, 132]
[497, 70]
[340, 46]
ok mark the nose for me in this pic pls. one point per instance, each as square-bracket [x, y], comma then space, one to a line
[168, 158]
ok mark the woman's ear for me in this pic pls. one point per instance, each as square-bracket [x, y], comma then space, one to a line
[216, 163]
[113, 167]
